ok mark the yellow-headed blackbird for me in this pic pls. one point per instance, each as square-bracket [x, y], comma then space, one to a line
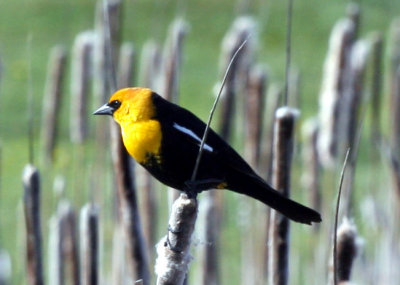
[165, 138]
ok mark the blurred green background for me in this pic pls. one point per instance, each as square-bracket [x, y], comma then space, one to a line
[30, 28]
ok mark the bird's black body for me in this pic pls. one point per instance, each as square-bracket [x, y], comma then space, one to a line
[221, 166]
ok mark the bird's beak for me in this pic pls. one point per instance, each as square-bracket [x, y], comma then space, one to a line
[104, 110]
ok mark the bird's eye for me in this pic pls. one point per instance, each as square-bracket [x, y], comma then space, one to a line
[114, 104]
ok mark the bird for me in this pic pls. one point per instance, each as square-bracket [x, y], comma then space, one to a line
[165, 139]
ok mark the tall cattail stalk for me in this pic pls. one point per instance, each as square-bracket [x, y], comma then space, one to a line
[241, 30]
[172, 58]
[89, 245]
[274, 96]
[64, 267]
[312, 167]
[128, 209]
[279, 225]
[31, 182]
[173, 250]
[252, 236]
[257, 85]
[376, 88]
[52, 100]
[81, 68]
[353, 99]
[331, 94]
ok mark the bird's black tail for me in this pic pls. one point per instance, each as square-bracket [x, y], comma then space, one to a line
[258, 189]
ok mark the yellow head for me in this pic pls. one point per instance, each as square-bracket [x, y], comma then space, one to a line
[133, 110]
[129, 104]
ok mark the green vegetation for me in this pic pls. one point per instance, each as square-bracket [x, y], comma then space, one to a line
[44, 23]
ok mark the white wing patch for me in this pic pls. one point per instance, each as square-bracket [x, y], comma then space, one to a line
[193, 135]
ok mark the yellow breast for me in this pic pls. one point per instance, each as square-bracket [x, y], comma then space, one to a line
[142, 139]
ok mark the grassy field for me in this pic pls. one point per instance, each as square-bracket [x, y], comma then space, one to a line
[29, 29]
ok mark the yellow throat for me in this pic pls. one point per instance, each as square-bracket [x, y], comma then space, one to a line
[141, 133]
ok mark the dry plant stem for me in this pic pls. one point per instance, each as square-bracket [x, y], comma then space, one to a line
[212, 223]
[254, 114]
[173, 51]
[128, 208]
[395, 82]
[81, 68]
[335, 277]
[312, 171]
[64, 265]
[52, 100]
[279, 226]
[89, 244]
[173, 250]
[31, 182]
[332, 87]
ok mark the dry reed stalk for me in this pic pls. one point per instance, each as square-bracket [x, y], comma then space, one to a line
[89, 244]
[331, 94]
[312, 167]
[240, 30]
[351, 113]
[126, 66]
[31, 182]
[81, 69]
[108, 18]
[255, 98]
[64, 265]
[279, 225]
[252, 236]
[52, 100]
[376, 88]
[274, 95]
[172, 59]
[211, 207]
[128, 209]
[173, 250]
